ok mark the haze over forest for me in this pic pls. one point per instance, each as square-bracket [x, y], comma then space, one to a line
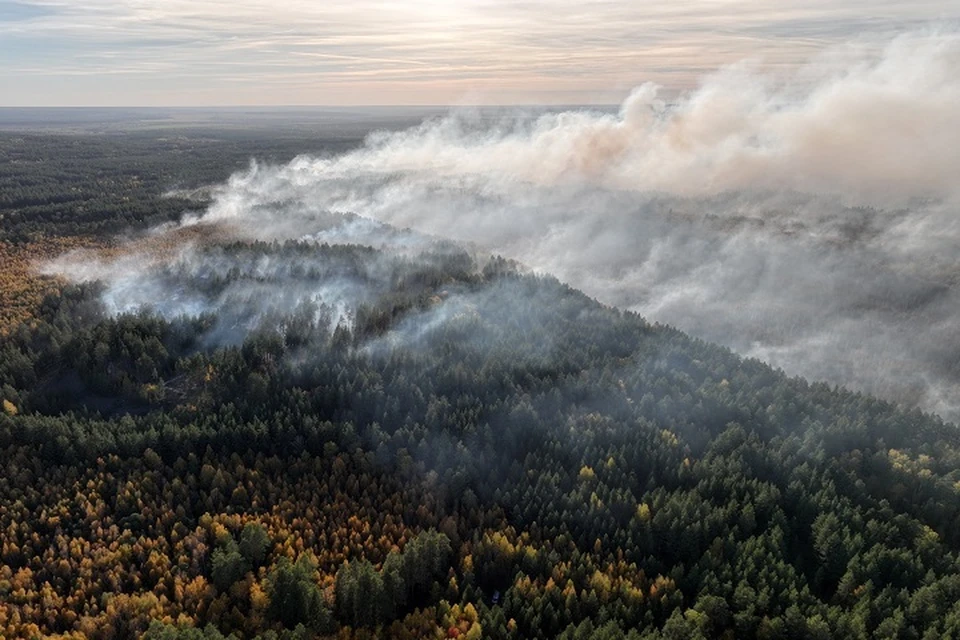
[806, 220]
[596, 320]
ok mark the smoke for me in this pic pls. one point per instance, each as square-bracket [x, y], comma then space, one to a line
[309, 287]
[807, 219]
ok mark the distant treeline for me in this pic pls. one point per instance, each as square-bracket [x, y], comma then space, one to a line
[92, 184]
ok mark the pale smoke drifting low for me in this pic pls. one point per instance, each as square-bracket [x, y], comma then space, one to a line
[317, 284]
[809, 220]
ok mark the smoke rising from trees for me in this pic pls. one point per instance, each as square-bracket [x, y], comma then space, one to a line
[808, 220]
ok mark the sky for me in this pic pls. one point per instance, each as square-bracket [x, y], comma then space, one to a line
[412, 52]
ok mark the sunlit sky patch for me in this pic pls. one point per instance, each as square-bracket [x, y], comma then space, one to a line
[213, 52]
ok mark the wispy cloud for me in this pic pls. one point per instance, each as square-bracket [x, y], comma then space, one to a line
[419, 51]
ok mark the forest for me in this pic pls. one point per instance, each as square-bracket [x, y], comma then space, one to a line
[318, 438]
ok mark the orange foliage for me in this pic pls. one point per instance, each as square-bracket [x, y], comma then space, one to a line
[22, 286]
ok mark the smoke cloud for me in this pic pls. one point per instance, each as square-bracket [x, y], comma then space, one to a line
[809, 220]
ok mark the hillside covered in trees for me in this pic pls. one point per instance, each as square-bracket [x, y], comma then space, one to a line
[330, 437]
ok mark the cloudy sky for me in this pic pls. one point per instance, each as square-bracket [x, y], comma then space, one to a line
[333, 52]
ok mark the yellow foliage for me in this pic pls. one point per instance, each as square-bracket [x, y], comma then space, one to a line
[600, 583]
[22, 286]
[920, 466]
[643, 512]
[475, 632]
[9, 408]
[220, 532]
[587, 473]
[929, 534]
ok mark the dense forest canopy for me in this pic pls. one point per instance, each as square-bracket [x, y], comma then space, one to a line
[366, 432]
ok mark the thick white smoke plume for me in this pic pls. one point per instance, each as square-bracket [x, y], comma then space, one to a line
[809, 220]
